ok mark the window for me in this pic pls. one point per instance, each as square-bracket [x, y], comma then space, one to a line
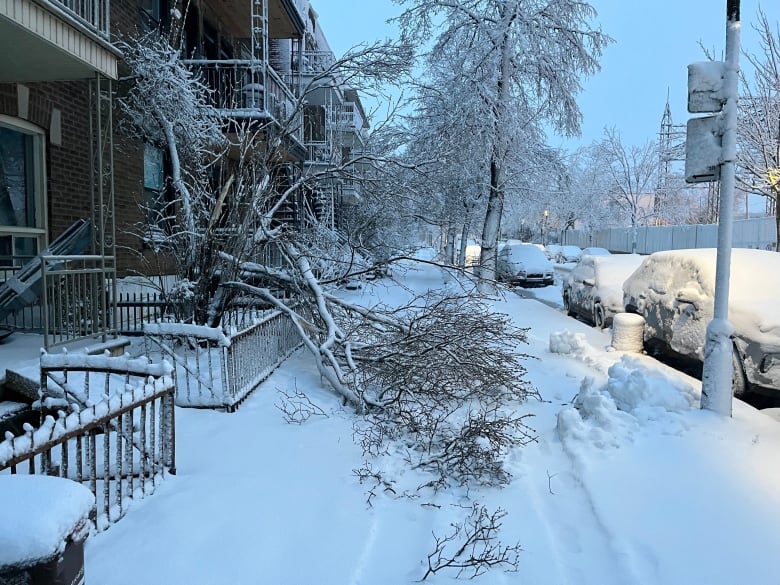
[155, 203]
[22, 200]
[153, 14]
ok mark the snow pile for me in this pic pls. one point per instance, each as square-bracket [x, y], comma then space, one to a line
[635, 396]
[575, 345]
[40, 514]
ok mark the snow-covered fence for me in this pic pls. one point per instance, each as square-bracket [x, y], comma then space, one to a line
[217, 371]
[121, 446]
[748, 233]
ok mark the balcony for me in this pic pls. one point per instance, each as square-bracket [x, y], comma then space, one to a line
[48, 40]
[285, 17]
[241, 92]
[350, 192]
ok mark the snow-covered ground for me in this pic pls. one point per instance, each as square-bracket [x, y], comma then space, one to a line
[628, 482]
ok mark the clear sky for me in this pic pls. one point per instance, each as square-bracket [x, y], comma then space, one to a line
[655, 40]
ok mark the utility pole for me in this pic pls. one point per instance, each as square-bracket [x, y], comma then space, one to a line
[718, 370]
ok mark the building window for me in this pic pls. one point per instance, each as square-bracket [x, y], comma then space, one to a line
[157, 206]
[22, 191]
[153, 14]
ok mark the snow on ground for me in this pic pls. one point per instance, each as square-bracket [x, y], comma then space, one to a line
[628, 483]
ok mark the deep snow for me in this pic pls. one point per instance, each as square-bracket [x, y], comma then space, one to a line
[628, 483]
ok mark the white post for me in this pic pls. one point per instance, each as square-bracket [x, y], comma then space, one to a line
[718, 372]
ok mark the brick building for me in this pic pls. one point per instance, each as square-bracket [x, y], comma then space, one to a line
[62, 158]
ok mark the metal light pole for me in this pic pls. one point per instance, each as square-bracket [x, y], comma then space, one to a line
[718, 352]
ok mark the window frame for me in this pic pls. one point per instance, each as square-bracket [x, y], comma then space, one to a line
[39, 188]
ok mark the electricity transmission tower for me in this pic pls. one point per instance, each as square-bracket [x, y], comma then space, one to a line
[671, 149]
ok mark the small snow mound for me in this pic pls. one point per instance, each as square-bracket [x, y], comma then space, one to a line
[566, 342]
[637, 388]
[635, 396]
[576, 345]
[595, 419]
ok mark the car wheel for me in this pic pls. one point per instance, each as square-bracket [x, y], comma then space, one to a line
[599, 318]
[739, 381]
[567, 306]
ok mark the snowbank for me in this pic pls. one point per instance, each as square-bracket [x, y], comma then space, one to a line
[634, 397]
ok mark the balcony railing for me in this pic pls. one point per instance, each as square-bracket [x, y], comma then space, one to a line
[94, 14]
[239, 90]
[317, 61]
[347, 118]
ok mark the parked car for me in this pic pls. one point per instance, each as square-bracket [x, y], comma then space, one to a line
[551, 251]
[568, 254]
[523, 264]
[594, 251]
[593, 290]
[674, 291]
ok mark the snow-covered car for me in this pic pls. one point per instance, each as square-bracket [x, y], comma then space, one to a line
[523, 264]
[551, 251]
[568, 254]
[674, 291]
[593, 290]
[595, 251]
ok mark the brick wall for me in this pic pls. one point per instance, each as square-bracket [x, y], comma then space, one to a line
[68, 166]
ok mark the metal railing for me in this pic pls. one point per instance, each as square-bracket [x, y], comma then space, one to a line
[121, 447]
[214, 371]
[317, 61]
[94, 14]
[78, 297]
[346, 118]
[240, 90]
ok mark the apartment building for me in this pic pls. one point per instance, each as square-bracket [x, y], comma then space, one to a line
[62, 160]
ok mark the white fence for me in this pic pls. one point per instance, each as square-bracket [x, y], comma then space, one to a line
[748, 233]
[216, 371]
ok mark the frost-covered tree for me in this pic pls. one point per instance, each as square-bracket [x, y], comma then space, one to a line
[167, 106]
[445, 126]
[759, 120]
[232, 200]
[524, 62]
[630, 173]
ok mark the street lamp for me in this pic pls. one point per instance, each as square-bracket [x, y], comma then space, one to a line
[544, 227]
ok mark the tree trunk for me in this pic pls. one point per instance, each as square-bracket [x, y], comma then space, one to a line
[777, 224]
[449, 249]
[495, 207]
[464, 234]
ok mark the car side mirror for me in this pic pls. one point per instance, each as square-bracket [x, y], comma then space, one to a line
[688, 296]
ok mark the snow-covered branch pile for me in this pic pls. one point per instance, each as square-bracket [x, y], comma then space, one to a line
[444, 377]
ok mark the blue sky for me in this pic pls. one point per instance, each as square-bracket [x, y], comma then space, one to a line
[654, 42]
